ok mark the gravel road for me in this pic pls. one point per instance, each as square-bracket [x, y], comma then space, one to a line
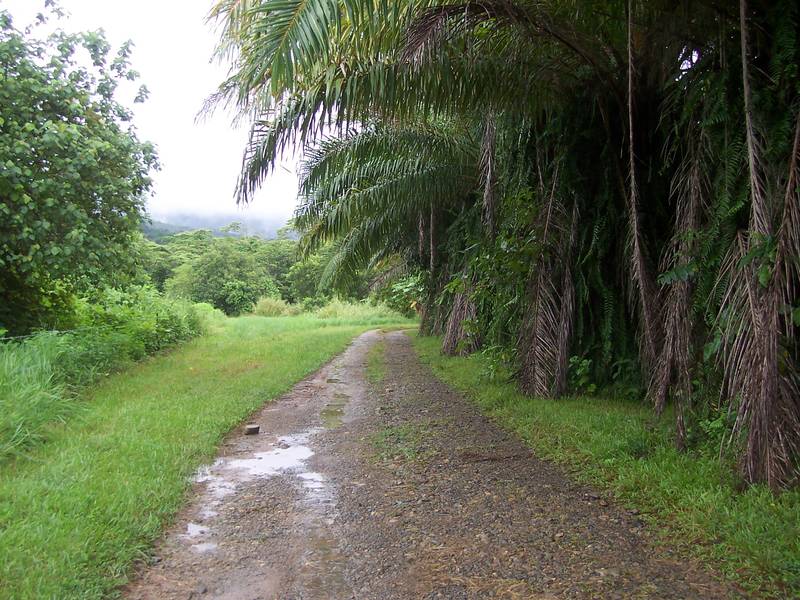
[400, 489]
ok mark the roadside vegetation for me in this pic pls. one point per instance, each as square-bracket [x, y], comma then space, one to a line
[692, 498]
[44, 376]
[85, 507]
[82, 292]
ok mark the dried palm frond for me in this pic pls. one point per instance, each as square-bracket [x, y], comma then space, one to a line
[458, 339]
[542, 336]
[759, 341]
[673, 369]
[567, 313]
[643, 285]
[488, 177]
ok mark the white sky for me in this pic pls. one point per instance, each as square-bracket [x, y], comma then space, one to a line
[200, 161]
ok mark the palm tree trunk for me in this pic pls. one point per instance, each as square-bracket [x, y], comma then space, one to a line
[432, 240]
[641, 277]
[758, 373]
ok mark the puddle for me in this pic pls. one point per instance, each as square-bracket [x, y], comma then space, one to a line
[204, 547]
[223, 477]
[265, 464]
[312, 480]
[195, 530]
[333, 413]
[216, 485]
[324, 565]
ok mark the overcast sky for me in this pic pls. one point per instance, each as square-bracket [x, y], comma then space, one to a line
[173, 47]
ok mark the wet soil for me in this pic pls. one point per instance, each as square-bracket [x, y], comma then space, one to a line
[400, 489]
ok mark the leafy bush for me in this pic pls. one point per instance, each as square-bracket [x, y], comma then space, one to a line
[312, 303]
[150, 320]
[404, 295]
[40, 376]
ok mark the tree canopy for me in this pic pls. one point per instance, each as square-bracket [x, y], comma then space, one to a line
[73, 173]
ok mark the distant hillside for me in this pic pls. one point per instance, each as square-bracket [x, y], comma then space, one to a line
[158, 230]
[265, 228]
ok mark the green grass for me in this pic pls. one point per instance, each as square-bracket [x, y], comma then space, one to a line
[41, 377]
[404, 442]
[85, 506]
[359, 312]
[753, 537]
[376, 362]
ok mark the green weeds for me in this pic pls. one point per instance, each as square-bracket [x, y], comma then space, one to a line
[406, 442]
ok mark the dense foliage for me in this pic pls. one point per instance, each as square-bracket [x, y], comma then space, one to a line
[602, 193]
[73, 174]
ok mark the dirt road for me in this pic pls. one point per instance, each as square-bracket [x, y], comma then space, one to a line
[400, 488]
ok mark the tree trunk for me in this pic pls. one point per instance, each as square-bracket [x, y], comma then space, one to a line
[642, 281]
[458, 339]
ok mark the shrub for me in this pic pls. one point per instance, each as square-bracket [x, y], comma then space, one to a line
[358, 312]
[404, 295]
[313, 303]
[270, 307]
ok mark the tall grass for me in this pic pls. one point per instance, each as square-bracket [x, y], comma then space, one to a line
[31, 393]
[43, 376]
[359, 313]
[334, 312]
[275, 307]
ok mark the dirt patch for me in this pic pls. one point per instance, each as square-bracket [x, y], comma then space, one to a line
[400, 489]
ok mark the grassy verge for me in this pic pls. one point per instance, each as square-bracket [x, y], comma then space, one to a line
[753, 537]
[42, 376]
[78, 513]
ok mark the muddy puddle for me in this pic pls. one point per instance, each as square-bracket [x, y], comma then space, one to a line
[223, 478]
[265, 519]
